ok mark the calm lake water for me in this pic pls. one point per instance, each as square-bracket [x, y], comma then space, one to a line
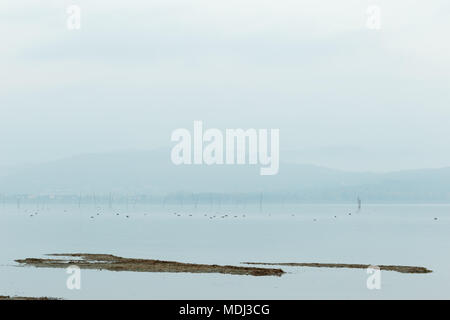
[378, 234]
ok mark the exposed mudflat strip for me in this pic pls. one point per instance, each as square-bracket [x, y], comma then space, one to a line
[114, 263]
[26, 298]
[401, 269]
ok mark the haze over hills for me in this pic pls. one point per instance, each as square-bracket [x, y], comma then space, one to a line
[152, 172]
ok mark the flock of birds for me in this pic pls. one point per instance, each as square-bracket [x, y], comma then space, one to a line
[213, 216]
[224, 216]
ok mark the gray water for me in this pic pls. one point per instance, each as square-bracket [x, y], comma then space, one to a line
[378, 234]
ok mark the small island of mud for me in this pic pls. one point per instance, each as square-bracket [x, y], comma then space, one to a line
[114, 263]
[401, 269]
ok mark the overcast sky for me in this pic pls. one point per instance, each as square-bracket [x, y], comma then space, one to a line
[342, 95]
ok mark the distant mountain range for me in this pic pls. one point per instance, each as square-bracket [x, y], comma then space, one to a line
[152, 172]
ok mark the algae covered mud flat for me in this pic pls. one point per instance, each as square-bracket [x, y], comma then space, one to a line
[401, 269]
[160, 255]
[114, 263]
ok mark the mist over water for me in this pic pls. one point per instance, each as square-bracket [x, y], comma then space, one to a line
[88, 108]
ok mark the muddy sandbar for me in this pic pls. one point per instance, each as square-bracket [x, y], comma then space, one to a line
[401, 269]
[114, 263]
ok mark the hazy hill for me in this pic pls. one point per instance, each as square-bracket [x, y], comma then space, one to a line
[152, 172]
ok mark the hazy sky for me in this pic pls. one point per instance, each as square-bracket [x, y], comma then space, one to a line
[342, 95]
